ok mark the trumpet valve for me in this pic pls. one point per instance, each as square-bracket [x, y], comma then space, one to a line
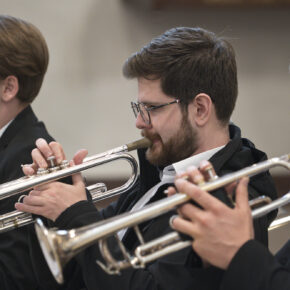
[52, 164]
[51, 160]
[210, 173]
[64, 164]
[42, 171]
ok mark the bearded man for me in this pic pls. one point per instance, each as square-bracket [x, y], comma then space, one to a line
[187, 89]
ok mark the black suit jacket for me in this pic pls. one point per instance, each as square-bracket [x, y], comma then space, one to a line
[16, 269]
[180, 270]
[255, 268]
[283, 256]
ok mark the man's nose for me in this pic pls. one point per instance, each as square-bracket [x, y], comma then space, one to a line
[141, 124]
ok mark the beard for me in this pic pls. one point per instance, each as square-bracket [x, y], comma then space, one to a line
[177, 148]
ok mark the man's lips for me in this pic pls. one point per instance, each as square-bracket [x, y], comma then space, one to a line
[152, 137]
[155, 143]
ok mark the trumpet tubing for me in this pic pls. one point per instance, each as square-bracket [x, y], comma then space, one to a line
[98, 191]
[279, 222]
[60, 246]
[25, 183]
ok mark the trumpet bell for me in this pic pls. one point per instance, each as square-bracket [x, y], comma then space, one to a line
[48, 243]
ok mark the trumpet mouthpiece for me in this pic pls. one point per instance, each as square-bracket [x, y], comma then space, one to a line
[285, 157]
[138, 144]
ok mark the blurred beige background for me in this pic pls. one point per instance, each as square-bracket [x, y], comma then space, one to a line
[85, 101]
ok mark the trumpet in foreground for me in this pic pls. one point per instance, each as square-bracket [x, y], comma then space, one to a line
[61, 245]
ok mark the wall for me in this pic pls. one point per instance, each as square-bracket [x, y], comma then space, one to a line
[85, 100]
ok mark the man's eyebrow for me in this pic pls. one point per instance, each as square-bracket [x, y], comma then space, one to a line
[151, 103]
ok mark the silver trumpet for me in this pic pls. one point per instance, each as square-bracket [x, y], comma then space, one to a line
[15, 219]
[59, 246]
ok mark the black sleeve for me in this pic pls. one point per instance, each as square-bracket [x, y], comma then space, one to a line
[254, 267]
[283, 256]
[79, 214]
[15, 264]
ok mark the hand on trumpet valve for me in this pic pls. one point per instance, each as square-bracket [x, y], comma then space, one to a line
[51, 199]
[213, 219]
[196, 175]
[45, 156]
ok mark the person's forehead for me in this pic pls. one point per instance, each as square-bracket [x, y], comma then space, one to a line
[149, 91]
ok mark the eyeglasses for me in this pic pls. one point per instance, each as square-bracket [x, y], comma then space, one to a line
[144, 110]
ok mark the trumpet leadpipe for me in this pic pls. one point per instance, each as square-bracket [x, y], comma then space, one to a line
[138, 144]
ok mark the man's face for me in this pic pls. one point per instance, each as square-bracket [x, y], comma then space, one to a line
[172, 135]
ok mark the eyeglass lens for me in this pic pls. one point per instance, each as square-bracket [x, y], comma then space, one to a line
[140, 108]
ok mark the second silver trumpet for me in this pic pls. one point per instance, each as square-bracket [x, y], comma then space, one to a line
[61, 245]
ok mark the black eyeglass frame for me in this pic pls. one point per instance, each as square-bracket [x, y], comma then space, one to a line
[136, 109]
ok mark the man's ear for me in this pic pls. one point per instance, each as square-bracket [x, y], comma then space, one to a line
[10, 88]
[201, 109]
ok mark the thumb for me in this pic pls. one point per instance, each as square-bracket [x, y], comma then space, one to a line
[242, 199]
[29, 169]
[77, 178]
[79, 156]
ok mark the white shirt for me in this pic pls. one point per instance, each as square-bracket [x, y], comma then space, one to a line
[2, 130]
[167, 176]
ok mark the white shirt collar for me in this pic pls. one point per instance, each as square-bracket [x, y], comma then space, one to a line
[2, 130]
[181, 166]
